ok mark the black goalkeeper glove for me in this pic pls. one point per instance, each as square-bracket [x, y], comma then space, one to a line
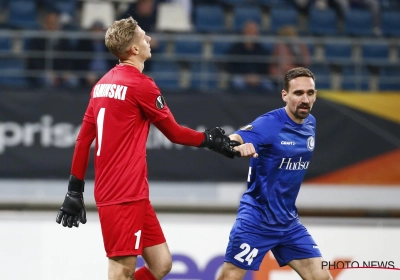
[73, 211]
[216, 140]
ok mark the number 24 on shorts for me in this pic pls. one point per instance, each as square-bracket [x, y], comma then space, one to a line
[245, 253]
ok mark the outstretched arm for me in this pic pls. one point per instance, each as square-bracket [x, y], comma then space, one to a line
[214, 139]
[179, 134]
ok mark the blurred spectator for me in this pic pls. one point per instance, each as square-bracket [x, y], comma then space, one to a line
[343, 6]
[57, 70]
[288, 53]
[250, 72]
[94, 59]
[144, 12]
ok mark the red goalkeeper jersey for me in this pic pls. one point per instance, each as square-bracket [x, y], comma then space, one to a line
[122, 105]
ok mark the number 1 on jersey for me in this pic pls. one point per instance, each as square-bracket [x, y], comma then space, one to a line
[100, 123]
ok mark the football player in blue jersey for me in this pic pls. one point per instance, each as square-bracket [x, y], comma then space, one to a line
[281, 143]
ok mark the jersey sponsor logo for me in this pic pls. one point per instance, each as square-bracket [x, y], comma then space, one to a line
[289, 143]
[247, 127]
[160, 102]
[110, 90]
[290, 164]
[310, 143]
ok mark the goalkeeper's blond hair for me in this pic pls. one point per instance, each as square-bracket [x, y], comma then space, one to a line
[120, 36]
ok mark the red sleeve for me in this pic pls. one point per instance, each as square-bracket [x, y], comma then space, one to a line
[151, 101]
[179, 134]
[84, 140]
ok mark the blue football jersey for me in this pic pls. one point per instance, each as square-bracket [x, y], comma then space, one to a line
[284, 152]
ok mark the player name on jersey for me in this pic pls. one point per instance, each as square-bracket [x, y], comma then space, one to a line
[110, 91]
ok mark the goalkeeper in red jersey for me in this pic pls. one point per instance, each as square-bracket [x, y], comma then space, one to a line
[122, 105]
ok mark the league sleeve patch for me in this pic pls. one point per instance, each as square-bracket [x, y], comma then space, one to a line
[160, 102]
[246, 127]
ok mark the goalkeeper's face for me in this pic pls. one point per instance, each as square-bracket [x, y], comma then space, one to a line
[143, 44]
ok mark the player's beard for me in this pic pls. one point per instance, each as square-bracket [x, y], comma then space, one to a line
[302, 114]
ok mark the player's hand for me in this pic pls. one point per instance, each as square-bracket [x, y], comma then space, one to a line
[246, 150]
[217, 141]
[72, 211]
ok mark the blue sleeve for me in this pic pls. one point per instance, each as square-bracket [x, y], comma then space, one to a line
[262, 131]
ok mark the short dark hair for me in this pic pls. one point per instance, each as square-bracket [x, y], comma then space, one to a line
[295, 73]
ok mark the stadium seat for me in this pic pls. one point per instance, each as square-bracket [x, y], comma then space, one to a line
[234, 2]
[5, 44]
[220, 48]
[12, 72]
[355, 77]
[338, 52]
[391, 23]
[375, 53]
[209, 18]
[203, 75]
[245, 13]
[281, 17]
[268, 46]
[322, 74]
[166, 74]
[188, 47]
[97, 11]
[22, 14]
[322, 22]
[66, 7]
[389, 78]
[275, 3]
[358, 23]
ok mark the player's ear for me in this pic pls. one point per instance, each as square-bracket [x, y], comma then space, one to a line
[284, 95]
[134, 49]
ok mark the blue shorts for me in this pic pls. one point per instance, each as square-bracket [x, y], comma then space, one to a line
[249, 243]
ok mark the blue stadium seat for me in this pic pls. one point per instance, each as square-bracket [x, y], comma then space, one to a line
[165, 74]
[275, 3]
[389, 78]
[161, 45]
[355, 77]
[281, 17]
[203, 75]
[220, 48]
[66, 7]
[322, 75]
[338, 53]
[322, 22]
[5, 44]
[311, 49]
[268, 46]
[209, 18]
[375, 54]
[12, 72]
[358, 23]
[234, 2]
[245, 13]
[22, 14]
[186, 47]
[391, 23]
